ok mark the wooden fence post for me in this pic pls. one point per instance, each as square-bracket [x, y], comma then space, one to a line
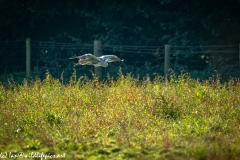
[97, 50]
[239, 55]
[28, 58]
[167, 60]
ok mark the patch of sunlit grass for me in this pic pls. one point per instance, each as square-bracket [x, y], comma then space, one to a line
[124, 118]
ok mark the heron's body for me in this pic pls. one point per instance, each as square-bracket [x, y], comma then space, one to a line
[89, 59]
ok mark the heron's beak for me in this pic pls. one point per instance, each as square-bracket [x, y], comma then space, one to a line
[74, 57]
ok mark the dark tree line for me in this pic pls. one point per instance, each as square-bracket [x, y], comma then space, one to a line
[137, 22]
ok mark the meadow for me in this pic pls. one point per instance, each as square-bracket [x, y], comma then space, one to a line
[123, 118]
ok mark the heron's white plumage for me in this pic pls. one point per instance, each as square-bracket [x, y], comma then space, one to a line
[89, 59]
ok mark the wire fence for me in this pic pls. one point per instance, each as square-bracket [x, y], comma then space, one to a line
[55, 56]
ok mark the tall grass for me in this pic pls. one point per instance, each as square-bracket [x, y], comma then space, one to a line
[126, 118]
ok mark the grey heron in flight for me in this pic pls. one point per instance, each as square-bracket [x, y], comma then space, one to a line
[89, 59]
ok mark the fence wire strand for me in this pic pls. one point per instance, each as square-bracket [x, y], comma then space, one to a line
[178, 53]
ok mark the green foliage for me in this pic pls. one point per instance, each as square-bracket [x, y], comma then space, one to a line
[126, 117]
[137, 23]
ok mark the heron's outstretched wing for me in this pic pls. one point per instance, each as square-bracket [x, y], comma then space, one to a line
[82, 63]
[81, 57]
[86, 59]
[111, 58]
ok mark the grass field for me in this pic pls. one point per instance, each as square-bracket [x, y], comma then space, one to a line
[126, 118]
